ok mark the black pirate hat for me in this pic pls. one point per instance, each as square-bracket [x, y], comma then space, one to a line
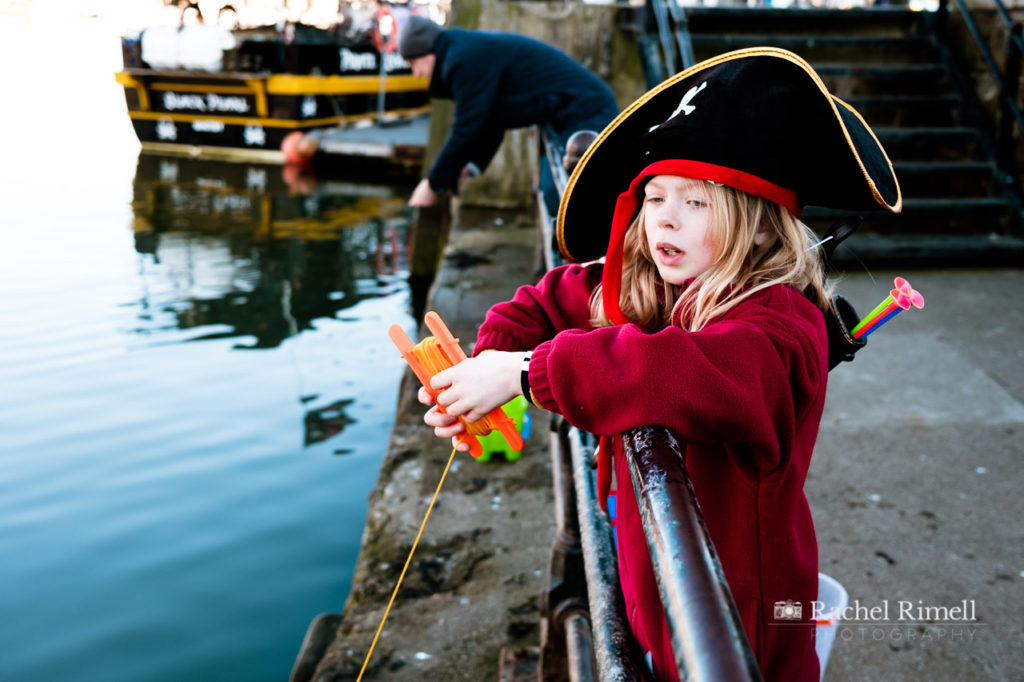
[759, 120]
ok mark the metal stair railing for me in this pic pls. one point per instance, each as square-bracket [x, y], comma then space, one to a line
[669, 21]
[1006, 79]
[672, 51]
[681, 33]
[999, 133]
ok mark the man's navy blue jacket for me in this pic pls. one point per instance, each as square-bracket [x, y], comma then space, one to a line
[501, 81]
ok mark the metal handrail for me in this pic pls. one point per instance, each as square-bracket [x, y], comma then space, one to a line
[616, 660]
[551, 152]
[554, 152]
[661, 18]
[585, 623]
[567, 649]
[708, 638]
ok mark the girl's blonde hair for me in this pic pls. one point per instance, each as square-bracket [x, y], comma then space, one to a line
[739, 269]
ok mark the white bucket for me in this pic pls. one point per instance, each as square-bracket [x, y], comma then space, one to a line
[834, 597]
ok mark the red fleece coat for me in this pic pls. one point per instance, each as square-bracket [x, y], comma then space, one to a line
[745, 395]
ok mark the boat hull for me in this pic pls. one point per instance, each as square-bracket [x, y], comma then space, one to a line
[248, 115]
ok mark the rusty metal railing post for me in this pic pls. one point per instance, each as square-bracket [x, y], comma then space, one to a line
[708, 639]
[617, 660]
[579, 645]
[566, 648]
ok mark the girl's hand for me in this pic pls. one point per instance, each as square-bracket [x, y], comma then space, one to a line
[470, 390]
[445, 425]
[477, 385]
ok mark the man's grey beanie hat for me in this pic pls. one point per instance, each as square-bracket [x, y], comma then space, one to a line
[417, 37]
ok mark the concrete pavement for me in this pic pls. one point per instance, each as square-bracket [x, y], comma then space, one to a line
[916, 481]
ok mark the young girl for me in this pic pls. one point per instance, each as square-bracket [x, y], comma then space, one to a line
[706, 318]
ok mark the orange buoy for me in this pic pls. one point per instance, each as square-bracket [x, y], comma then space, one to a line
[299, 148]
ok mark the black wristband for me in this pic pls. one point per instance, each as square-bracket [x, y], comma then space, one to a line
[524, 378]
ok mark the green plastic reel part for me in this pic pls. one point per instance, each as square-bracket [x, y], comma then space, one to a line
[495, 443]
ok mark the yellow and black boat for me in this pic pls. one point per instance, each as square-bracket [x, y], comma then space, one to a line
[204, 91]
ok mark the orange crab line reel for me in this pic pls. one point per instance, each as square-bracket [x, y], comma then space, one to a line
[439, 352]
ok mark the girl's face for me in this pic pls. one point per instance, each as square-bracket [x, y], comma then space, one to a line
[677, 223]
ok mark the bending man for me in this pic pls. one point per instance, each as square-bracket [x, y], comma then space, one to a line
[498, 81]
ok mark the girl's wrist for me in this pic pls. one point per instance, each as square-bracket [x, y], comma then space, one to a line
[524, 377]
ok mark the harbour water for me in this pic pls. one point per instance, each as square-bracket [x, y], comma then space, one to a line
[196, 385]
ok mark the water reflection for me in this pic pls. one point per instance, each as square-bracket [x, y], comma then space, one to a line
[260, 251]
[165, 513]
[257, 253]
[328, 421]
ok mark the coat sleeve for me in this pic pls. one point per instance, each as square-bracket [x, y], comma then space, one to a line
[560, 301]
[744, 379]
[489, 142]
[472, 136]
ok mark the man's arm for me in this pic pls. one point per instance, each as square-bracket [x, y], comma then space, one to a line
[472, 138]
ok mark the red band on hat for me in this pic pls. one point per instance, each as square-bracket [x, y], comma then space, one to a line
[737, 179]
[626, 205]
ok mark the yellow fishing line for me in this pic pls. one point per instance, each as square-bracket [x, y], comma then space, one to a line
[407, 562]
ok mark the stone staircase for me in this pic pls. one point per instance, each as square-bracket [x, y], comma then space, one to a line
[889, 64]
